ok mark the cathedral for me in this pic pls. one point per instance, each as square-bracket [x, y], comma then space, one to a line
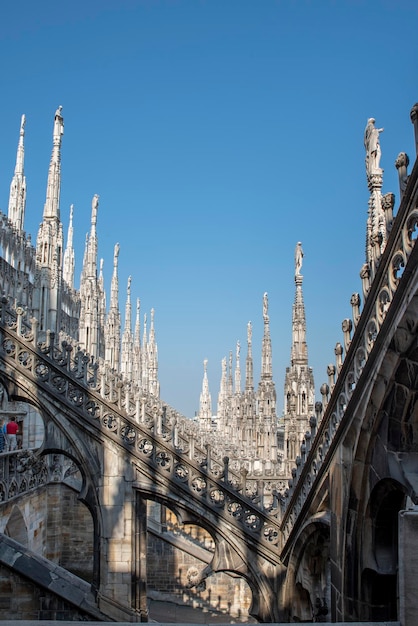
[41, 280]
[113, 499]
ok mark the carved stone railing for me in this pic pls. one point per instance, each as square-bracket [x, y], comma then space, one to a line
[186, 434]
[319, 442]
[23, 471]
[161, 443]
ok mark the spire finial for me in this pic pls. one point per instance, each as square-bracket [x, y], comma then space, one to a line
[69, 257]
[17, 197]
[51, 208]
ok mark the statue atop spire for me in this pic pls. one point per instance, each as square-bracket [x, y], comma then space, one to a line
[115, 255]
[372, 146]
[94, 207]
[265, 307]
[58, 125]
[298, 258]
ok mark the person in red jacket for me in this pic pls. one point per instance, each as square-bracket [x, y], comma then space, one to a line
[11, 431]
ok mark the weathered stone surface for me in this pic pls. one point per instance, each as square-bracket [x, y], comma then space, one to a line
[408, 567]
[47, 575]
[306, 511]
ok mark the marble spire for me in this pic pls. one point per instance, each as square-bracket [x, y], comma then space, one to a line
[144, 355]
[249, 365]
[136, 371]
[377, 226]
[266, 354]
[50, 242]
[205, 404]
[299, 352]
[52, 206]
[69, 257]
[154, 385]
[238, 369]
[92, 249]
[113, 321]
[127, 338]
[248, 401]
[223, 393]
[17, 197]
[91, 292]
[266, 396]
[299, 381]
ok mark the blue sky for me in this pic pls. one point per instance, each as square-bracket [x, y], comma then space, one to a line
[217, 134]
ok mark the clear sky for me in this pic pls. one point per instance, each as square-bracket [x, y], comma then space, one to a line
[217, 134]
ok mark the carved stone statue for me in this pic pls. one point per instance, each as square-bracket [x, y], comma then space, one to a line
[249, 332]
[95, 202]
[58, 124]
[265, 306]
[116, 254]
[372, 146]
[94, 207]
[298, 258]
